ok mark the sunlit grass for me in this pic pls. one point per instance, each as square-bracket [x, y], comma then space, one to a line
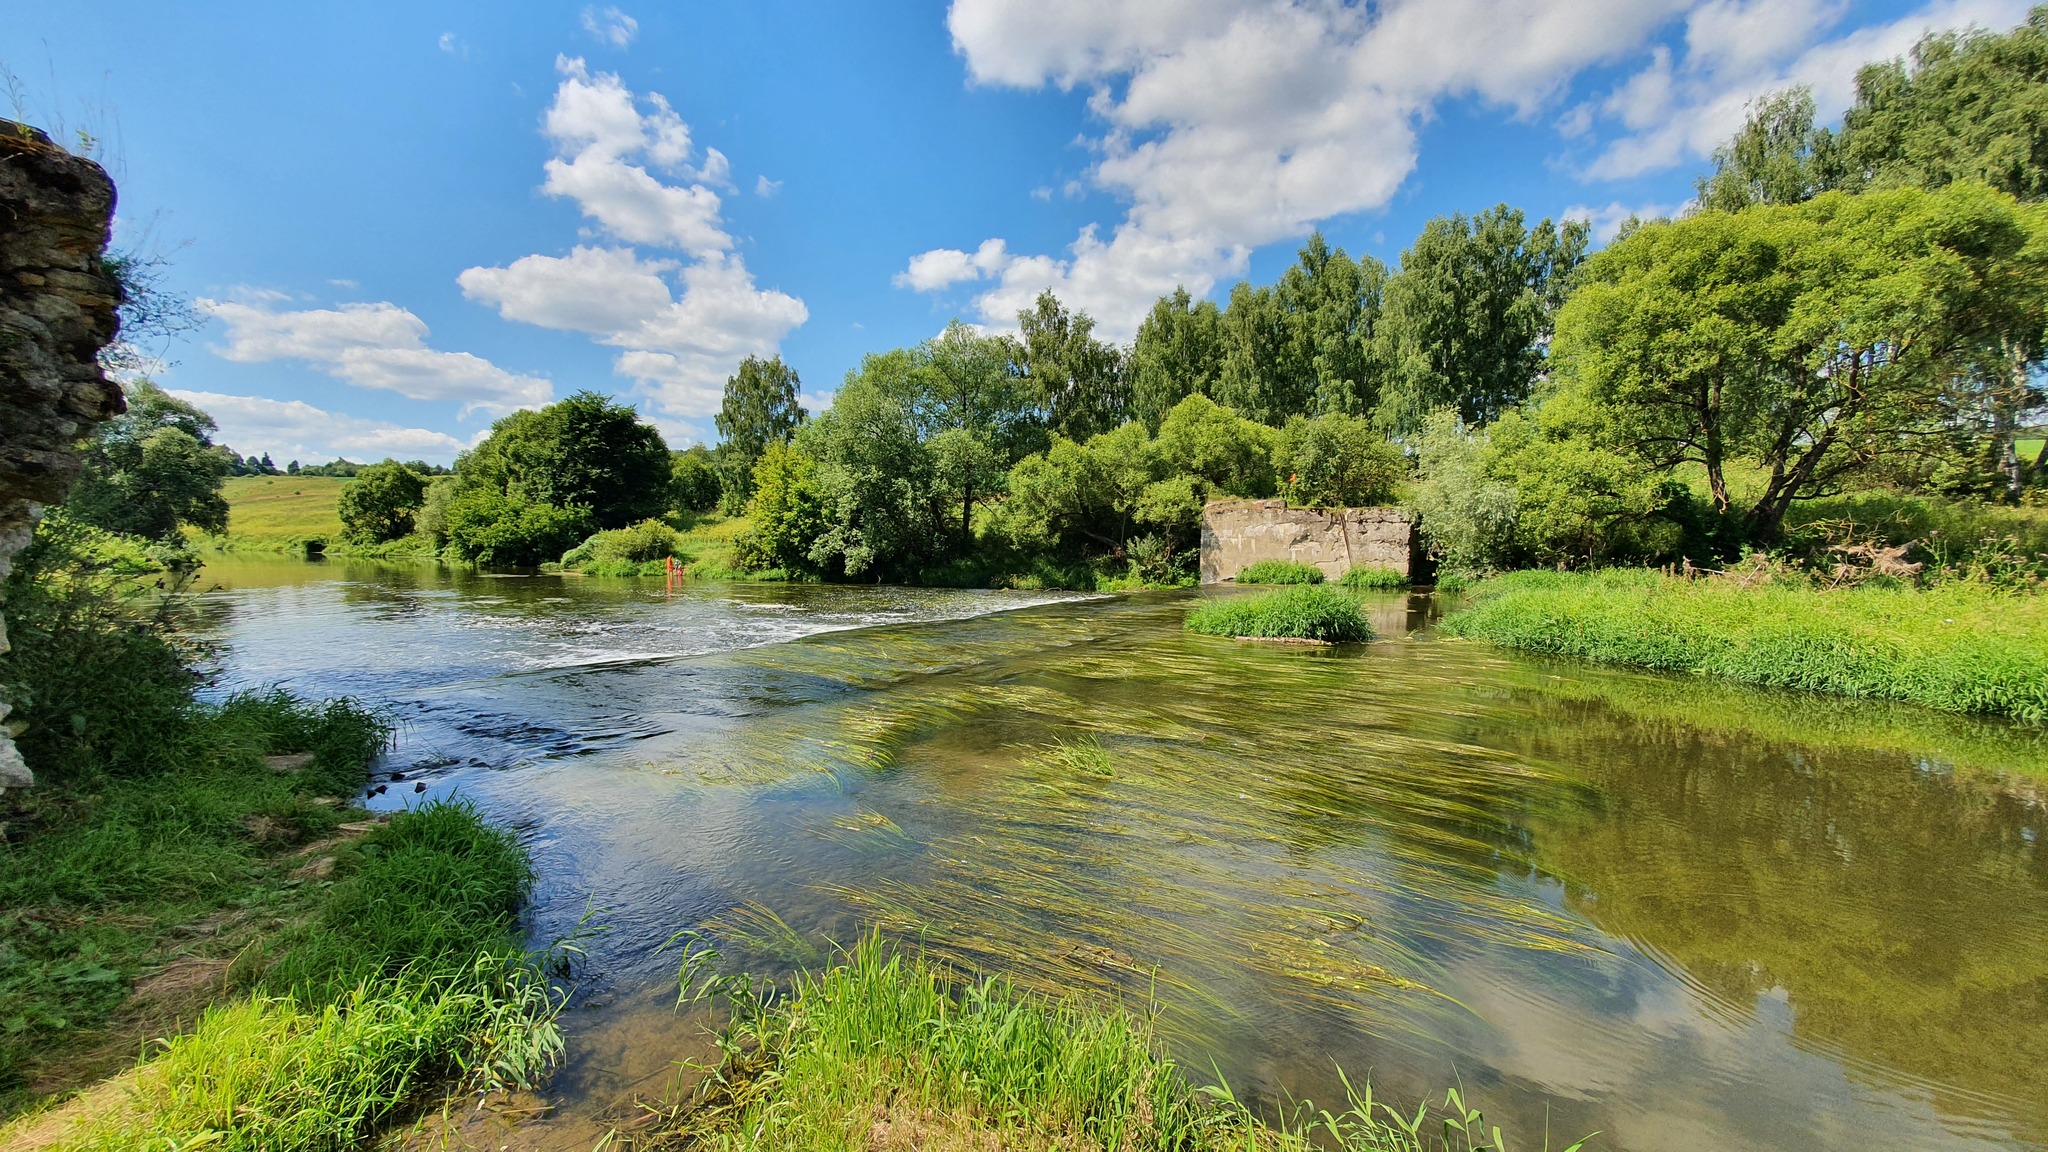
[1366, 578]
[1280, 572]
[1303, 612]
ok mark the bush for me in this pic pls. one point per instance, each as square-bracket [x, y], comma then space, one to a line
[1280, 572]
[1957, 647]
[1336, 461]
[379, 504]
[495, 529]
[623, 551]
[693, 483]
[1304, 612]
[1363, 578]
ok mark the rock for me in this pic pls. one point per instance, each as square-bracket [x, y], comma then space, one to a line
[57, 310]
[289, 763]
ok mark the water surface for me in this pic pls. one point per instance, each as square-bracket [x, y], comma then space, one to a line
[1687, 916]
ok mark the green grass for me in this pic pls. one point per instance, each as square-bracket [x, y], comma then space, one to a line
[1280, 572]
[1959, 647]
[880, 1050]
[1303, 612]
[1363, 578]
[280, 513]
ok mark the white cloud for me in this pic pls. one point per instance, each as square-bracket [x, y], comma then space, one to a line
[1606, 220]
[682, 325]
[610, 25]
[372, 346]
[452, 44]
[944, 267]
[599, 133]
[1678, 110]
[295, 430]
[764, 187]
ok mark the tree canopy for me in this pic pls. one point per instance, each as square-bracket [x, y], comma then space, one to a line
[153, 470]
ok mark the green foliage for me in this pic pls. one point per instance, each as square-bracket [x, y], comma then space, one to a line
[379, 504]
[1365, 578]
[787, 512]
[1081, 381]
[497, 529]
[624, 551]
[759, 409]
[584, 452]
[1336, 461]
[1969, 107]
[1958, 647]
[1956, 540]
[1178, 353]
[152, 470]
[693, 480]
[1280, 572]
[1214, 445]
[1465, 515]
[1777, 157]
[877, 1040]
[1306, 344]
[1469, 314]
[1806, 342]
[1302, 612]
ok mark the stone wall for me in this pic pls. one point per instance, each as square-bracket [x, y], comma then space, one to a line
[57, 310]
[1237, 533]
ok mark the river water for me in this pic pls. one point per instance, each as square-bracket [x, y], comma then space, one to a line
[1686, 916]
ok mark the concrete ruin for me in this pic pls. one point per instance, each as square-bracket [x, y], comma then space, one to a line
[57, 310]
[1239, 533]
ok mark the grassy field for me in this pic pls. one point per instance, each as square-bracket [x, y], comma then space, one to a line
[281, 511]
[1959, 647]
[880, 1050]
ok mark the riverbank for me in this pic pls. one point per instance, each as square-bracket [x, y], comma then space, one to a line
[881, 1050]
[1958, 646]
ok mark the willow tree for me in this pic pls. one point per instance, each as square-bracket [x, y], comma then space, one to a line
[1807, 342]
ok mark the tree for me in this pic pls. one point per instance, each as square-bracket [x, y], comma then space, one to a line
[583, 452]
[1081, 381]
[1336, 461]
[1228, 454]
[693, 483]
[760, 408]
[1805, 342]
[1469, 315]
[1267, 373]
[787, 511]
[1178, 353]
[494, 528]
[882, 513]
[153, 470]
[1778, 157]
[379, 504]
[1333, 305]
[1970, 106]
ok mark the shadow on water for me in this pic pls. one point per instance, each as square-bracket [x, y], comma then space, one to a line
[1686, 915]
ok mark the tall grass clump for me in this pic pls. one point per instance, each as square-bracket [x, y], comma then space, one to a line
[1957, 646]
[1365, 578]
[1303, 612]
[880, 1050]
[635, 550]
[1280, 572]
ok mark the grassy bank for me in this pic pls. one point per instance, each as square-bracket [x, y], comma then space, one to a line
[1313, 612]
[1959, 647]
[883, 1051]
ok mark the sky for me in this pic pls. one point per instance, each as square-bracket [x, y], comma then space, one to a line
[401, 221]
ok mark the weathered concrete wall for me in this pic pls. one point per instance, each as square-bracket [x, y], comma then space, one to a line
[57, 310]
[1237, 533]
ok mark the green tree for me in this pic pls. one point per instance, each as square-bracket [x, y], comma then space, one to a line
[1805, 342]
[1178, 353]
[1469, 314]
[1267, 373]
[1226, 453]
[1333, 304]
[760, 408]
[1778, 157]
[693, 483]
[583, 452]
[1970, 106]
[1081, 381]
[1466, 514]
[153, 470]
[379, 504]
[506, 529]
[1336, 461]
[786, 511]
[883, 513]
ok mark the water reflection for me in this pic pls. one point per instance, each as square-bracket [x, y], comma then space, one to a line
[1691, 917]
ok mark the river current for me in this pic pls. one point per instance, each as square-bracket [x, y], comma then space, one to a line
[1684, 915]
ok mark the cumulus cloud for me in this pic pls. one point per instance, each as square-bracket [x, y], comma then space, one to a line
[764, 187]
[295, 430]
[1681, 106]
[610, 25]
[1224, 125]
[682, 322]
[372, 346]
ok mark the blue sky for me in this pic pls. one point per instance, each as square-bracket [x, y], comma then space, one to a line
[404, 220]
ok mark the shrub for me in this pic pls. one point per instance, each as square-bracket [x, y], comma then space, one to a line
[1304, 612]
[1336, 461]
[379, 504]
[693, 481]
[493, 528]
[1364, 577]
[605, 553]
[1280, 572]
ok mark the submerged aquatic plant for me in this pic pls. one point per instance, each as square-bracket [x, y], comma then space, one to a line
[1307, 612]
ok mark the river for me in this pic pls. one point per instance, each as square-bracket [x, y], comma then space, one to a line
[1686, 916]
